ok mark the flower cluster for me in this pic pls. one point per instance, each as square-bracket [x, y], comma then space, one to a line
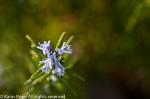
[53, 60]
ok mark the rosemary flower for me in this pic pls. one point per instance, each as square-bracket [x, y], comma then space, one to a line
[53, 60]
[48, 63]
[65, 49]
[46, 48]
[59, 68]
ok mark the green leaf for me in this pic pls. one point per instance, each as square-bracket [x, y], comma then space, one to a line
[66, 83]
[60, 40]
[34, 76]
[70, 39]
[33, 43]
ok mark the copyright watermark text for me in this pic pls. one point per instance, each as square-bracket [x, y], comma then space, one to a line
[32, 96]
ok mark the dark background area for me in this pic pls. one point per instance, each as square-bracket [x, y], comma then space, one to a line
[111, 44]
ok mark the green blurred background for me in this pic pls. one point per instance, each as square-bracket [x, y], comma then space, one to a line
[111, 44]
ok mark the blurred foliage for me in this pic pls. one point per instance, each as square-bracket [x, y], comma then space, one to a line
[111, 44]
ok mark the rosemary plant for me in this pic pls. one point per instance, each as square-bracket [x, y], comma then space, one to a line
[53, 66]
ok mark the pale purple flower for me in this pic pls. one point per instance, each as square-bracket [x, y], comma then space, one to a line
[48, 63]
[65, 49]
[59, 71]
[53, 60]
[59, 68]
[46, 48]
